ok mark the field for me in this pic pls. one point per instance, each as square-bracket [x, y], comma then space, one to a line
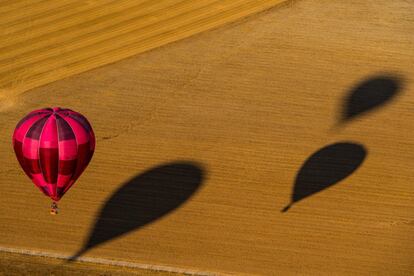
[18, 264]
[204, 143]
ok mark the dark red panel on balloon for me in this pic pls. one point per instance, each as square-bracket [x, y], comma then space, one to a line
[32, 165]
[19, 154]
[84, 155]
[35, 131]
[67, 167]
[49, 158]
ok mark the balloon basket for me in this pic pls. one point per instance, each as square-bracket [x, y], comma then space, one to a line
[54, 210]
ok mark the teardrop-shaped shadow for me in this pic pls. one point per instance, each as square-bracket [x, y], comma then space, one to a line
[369, 95]
[144, 199]
[325, 168]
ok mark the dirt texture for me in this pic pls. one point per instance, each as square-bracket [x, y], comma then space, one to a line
[279, 144]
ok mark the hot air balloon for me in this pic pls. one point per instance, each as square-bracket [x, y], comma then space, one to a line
[54, 146]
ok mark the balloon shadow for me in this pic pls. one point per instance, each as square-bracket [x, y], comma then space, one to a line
[368, 96]
[144, 199]
[325, 168]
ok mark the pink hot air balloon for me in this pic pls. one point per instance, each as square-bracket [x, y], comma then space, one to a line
[54, 146]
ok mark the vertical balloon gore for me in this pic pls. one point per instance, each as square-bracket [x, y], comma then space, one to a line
[53, 147]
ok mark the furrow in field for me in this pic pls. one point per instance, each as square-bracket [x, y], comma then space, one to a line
[75, 45]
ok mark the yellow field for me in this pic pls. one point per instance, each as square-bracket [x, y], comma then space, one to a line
[17, 264]
[201, 142]
[43, 41]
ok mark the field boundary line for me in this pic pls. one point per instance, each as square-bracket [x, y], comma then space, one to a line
[103, 261]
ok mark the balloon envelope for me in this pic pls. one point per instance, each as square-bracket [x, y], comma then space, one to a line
[54, 146]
